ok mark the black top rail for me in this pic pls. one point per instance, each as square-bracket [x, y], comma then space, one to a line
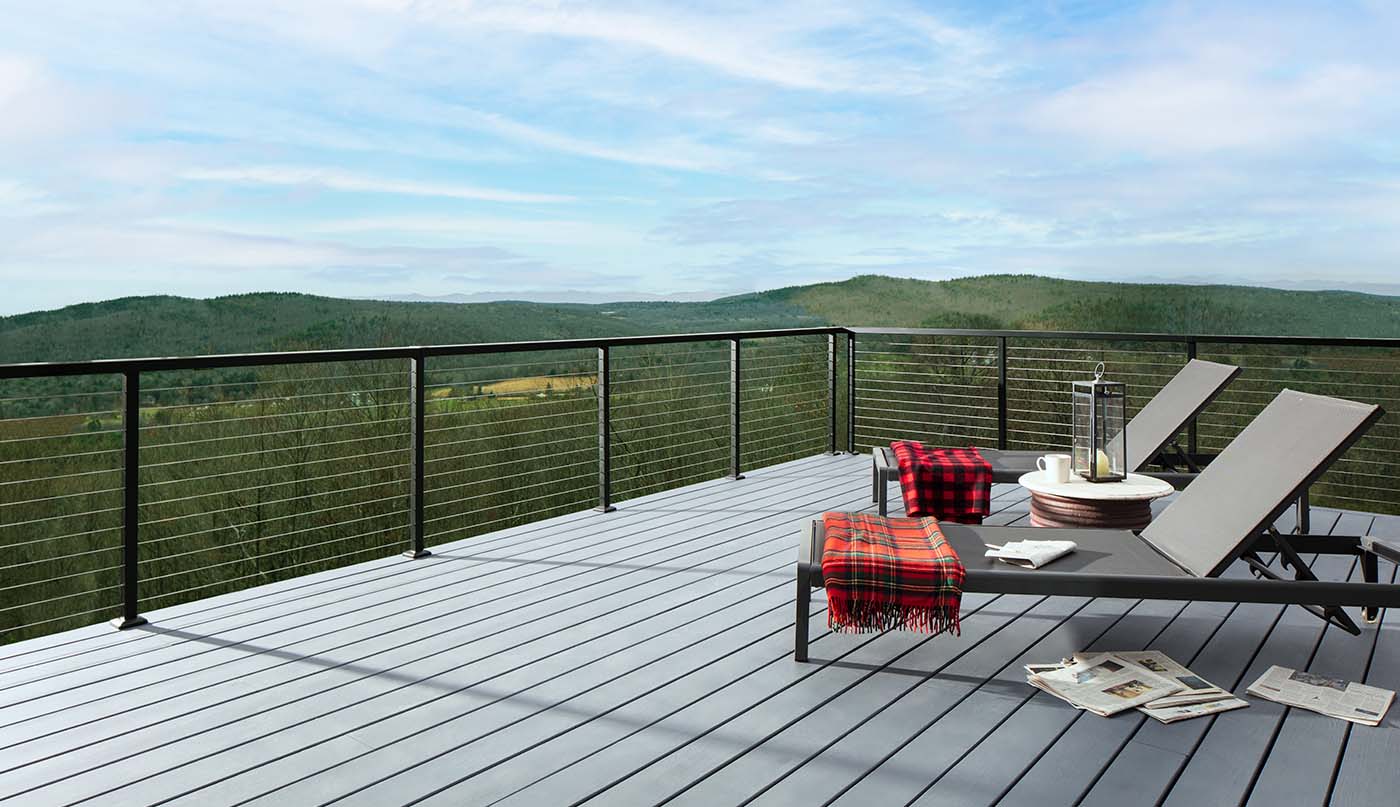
[158, 363]
[1180, 338]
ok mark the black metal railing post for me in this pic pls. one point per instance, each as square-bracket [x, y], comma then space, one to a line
[131, 500]
[851, 392]
[735, 422]
[1001, 393]
[831, 395]
[1191, 448]
[417, 370]
[604, 388]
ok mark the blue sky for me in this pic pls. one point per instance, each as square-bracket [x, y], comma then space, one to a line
[374, 147]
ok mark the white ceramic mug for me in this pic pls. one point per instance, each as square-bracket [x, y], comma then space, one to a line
[1055, 466]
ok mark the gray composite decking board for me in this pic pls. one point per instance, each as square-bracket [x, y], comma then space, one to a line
[888, 743]
[591, 768]
[265, 706]
[1222, 764]
[58, 647]
[261, 601]
[428, 737]
[489, 710]
[778, 754]
[1179, 636]
[1078, 756]
[621, 658]
[107, 673]
[1369, 749]
[471, 790]
[442, 567]
[1015, 745]
[412, 615]
[1309, 745]
[648, 777]
[1146, 764]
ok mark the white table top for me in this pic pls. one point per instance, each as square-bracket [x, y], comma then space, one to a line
[1135, 487]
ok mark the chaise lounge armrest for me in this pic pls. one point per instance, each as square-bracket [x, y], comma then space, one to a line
[1388, 549]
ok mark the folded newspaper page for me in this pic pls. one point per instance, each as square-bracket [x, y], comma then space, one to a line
[1171, 714]
[1103, 684]
[1030, 554]
[1329, 696]
[1194, 688]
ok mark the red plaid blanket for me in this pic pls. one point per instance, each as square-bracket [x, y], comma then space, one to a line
[884, 573]
[954, 484]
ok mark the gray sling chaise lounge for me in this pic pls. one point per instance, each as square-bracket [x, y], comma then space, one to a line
[1224, 516]
[1151, 433]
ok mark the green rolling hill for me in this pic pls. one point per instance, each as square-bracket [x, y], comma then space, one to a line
[150, 326]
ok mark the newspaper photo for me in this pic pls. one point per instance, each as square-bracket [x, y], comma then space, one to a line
[1194, 688]
[1103, 684]
[1345, 700]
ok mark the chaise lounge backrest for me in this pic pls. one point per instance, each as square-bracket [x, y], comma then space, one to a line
[1256, 478]
[1193, 387]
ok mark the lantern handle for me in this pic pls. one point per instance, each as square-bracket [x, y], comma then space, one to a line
[1098, 372]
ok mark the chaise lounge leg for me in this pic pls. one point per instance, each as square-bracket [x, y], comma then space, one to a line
[804, 608]
[1370, 573]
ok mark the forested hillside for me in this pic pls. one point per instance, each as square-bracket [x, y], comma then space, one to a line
[150, 326]
[1042, 303]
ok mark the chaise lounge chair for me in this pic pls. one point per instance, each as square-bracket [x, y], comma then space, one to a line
[1151, 434]
[1224, 516]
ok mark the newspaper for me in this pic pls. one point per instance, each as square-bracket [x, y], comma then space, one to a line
[1030, 554]
[1194, 688]
[1171, 714]
[1176, 693]
[1345, 700]
[1103, 684]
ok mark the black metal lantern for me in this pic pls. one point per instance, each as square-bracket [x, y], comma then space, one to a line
[1100, 449]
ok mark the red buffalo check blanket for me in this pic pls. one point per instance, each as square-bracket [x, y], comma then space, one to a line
[884, 573]
[954, 484]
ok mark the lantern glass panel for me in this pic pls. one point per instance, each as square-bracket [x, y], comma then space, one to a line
[1111, 454]
[1081, 449]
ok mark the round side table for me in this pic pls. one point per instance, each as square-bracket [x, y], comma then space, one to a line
[1123, 505]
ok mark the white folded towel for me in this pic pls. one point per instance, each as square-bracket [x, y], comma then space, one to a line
[1030, 554]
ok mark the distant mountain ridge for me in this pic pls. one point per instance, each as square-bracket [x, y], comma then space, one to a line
[150, 326]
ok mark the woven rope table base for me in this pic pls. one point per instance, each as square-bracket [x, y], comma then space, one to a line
[1060, 511]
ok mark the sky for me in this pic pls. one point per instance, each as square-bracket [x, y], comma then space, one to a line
[388, 147]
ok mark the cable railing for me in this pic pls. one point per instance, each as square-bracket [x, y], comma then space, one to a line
[135, 484]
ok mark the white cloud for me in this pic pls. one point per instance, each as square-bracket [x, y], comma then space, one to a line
[35, 106]
[1210, 105]
[335, 180]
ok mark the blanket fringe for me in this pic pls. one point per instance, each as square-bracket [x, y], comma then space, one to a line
[865, 616]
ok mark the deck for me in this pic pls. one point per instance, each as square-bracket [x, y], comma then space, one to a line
[644, 657]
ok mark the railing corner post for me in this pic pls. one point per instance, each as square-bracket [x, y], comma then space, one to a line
[1001, 393]
[1191, 446]
[851, 391]
[604, 390]
[831, 393]
[417, 370]
[735, 423]
[131, 500]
